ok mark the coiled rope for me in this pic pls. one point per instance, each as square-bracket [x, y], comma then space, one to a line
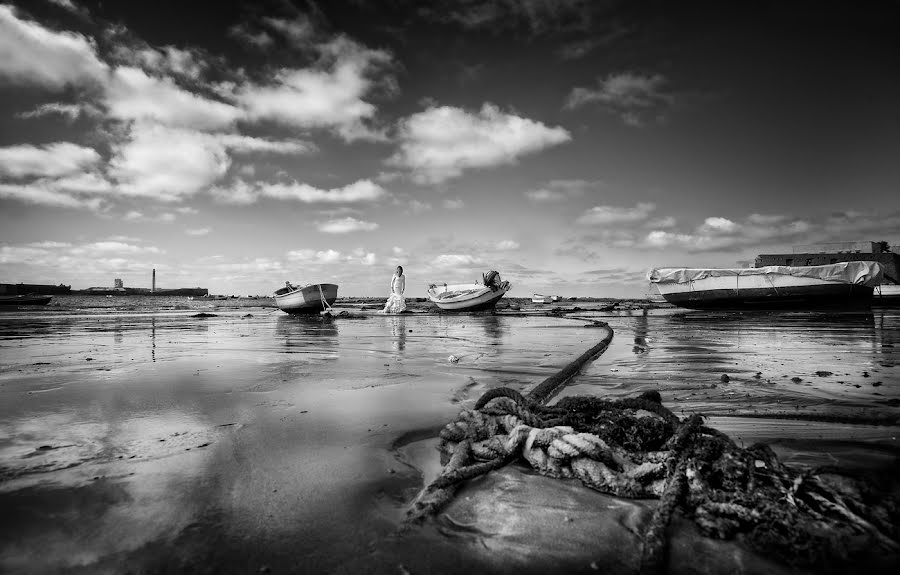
[637, 448]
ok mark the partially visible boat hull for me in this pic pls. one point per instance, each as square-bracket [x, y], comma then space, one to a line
[25, 300]
[307, 299]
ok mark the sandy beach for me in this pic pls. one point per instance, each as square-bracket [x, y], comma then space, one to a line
[251, 441]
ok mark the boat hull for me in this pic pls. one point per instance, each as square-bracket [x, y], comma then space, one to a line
[798, 297]
[25, 300]
[479, 297]
[307, 299]
[812, 287]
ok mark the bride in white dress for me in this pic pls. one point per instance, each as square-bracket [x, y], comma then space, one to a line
[396, 302]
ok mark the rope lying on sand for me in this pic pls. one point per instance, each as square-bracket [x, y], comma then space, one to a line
[637, 448]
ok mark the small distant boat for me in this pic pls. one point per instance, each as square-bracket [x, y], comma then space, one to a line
[538, 298]
[473, 296]
[886, 294]
[25, 299]
[838, 285]
[311, 298]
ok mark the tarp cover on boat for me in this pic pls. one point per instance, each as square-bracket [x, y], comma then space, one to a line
[857, 273]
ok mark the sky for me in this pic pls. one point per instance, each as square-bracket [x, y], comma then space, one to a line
[571, 145]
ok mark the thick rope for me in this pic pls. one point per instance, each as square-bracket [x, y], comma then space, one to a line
[637, 448]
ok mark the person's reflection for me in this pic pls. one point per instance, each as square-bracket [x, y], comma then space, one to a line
[640, 334]
[117, 332]
[492, 328]
[398, 333]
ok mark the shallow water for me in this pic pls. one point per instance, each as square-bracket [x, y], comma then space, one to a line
[146, 440]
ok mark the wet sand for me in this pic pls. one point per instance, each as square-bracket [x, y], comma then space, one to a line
[161, 442]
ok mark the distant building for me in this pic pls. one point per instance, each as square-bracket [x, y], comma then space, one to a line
[118, 283]
[832, 253]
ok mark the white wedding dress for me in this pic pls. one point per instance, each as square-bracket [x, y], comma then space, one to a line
[396, 303]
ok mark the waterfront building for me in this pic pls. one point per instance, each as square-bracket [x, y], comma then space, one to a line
[832, 253]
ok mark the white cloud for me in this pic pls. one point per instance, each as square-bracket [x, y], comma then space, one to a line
[442, 142]
[33, 54]
[330, 96]
[107, 247]
[559, 190]
[70, 112]
[136, 216]
[196, 232]
[508, 245]
[614, 214]
[132, 94]
[543, 195]
[345, 226]
[454, 204]
[50, 160]
[454, 260]
[299, 31]
[765, 219]
[717, 225]
[239, 193]
[43, 193]
[416, 206]
[662, 223]
[168, 60]
[167, 164]
[631, 95]
[245, 144]
[359, 191]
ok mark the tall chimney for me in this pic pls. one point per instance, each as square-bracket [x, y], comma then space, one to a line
[153, 285]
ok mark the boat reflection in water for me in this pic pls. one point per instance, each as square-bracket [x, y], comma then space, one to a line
[306, 334]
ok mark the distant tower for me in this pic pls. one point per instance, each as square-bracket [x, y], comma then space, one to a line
[153, 285]
[118, 283]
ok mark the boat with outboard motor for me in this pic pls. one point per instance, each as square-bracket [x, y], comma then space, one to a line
[469, 296]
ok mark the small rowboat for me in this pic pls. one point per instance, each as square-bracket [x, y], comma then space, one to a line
[25, 299]
[311, 298]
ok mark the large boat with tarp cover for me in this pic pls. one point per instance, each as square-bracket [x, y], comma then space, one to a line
[838, 285]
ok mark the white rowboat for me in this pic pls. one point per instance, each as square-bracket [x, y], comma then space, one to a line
[466, 297]
[310, 298]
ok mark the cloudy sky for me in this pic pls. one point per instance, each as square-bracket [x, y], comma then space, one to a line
[570, 144]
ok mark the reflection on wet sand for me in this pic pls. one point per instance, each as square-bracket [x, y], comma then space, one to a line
[750, 363]
[233, 445]
[398, 333]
